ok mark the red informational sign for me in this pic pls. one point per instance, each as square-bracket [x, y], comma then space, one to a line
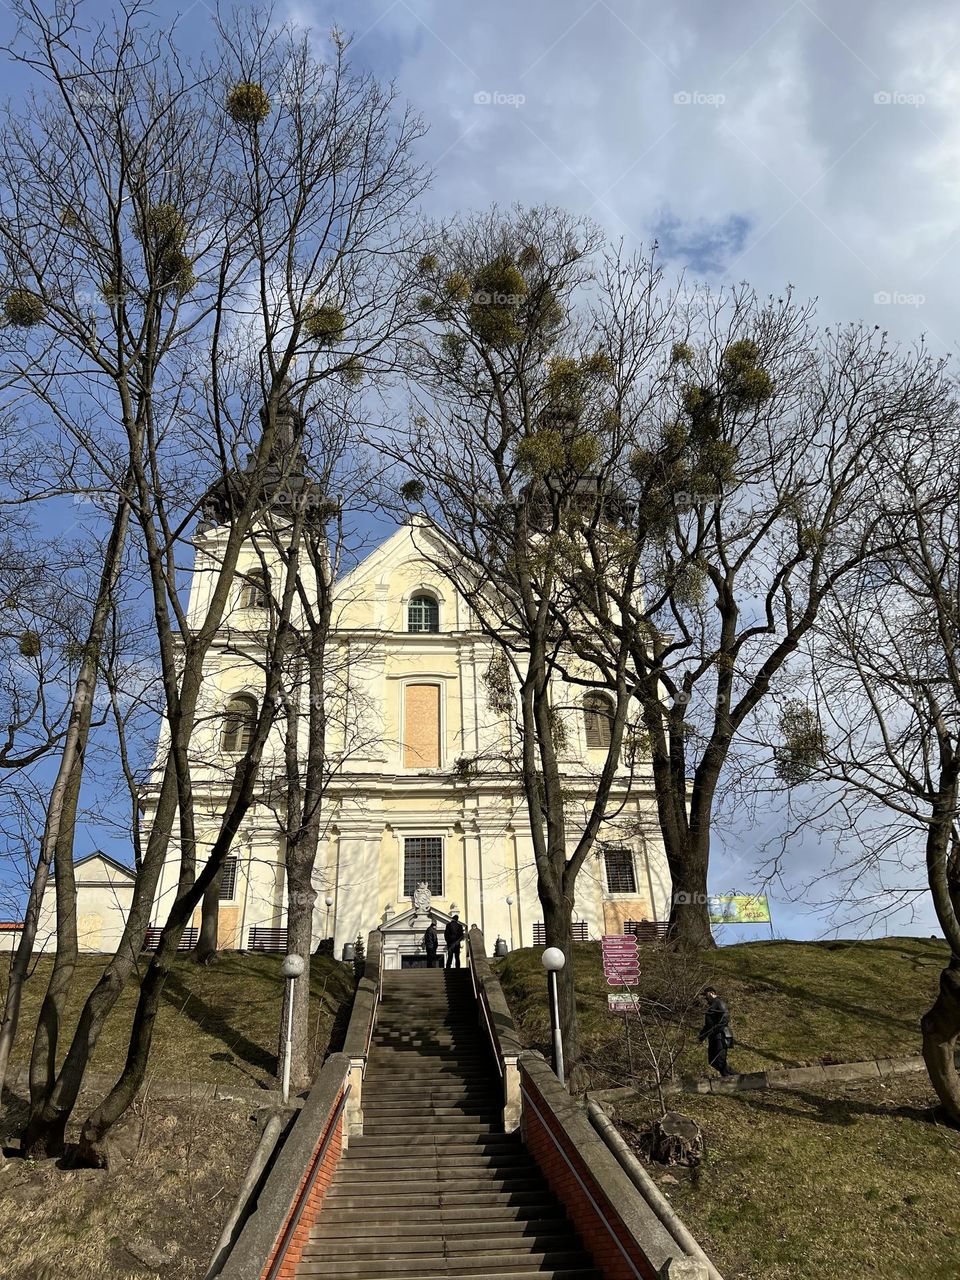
[621, 963]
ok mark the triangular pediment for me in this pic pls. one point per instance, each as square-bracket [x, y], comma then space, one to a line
[412, 919]
[415, 540]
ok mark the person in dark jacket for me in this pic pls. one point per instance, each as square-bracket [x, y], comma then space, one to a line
[453, 935]
[716, 1031]
[431, 942]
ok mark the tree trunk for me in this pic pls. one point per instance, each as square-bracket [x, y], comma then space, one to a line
[43, 1056]
[205, 952]
[62, 806]
[689, 905]
[558, 928]
[301, 897]
[941, 1028]
[44, 1131]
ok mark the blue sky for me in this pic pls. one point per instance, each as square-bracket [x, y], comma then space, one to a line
[773, 141]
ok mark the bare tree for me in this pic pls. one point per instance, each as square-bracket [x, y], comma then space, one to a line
[878, 733]
[496, 458]
[736, 455]
[237, 224]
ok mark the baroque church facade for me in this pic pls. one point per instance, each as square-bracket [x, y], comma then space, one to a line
[422, 792]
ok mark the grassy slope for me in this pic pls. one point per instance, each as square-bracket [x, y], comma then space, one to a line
[817, 1184]
[791, 1003]
[217, 1023]
[823, 1184]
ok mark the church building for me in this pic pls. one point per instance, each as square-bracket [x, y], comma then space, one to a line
[423, 787]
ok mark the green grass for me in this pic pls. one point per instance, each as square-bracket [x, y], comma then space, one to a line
[791, 1003]
[218, 1023]
[822, 1184]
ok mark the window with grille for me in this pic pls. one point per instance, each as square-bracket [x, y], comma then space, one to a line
[597, 717]
[423, 864]
[255, 591]
[238, 723]
[228, 880]
[540, 932]
[423, 614]
[621, 873]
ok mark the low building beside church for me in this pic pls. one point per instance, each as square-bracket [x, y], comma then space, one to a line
[424, 786]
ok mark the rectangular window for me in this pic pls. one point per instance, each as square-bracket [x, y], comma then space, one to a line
[423, 864]
[421, 726]
[621, 874]
[228, 880]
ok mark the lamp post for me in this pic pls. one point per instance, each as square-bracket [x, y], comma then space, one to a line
[553, 961]
[510, 910]
[292, 968]
[328, 902]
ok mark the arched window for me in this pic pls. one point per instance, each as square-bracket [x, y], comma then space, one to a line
[597, 720]
[238, 723]
[255, 591]
[423, 614]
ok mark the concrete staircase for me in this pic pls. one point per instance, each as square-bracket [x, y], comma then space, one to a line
[435, 1188]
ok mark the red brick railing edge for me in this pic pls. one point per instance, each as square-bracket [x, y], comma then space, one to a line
[271, 1243]
[626, 1239]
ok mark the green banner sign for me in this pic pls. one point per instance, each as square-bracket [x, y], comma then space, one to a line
[740, 909]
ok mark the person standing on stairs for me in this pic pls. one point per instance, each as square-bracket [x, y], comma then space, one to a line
[431, 942]
[453, 936]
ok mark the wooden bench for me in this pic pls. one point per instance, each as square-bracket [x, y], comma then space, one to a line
[647, 930]
[266, 938]
[187, 942]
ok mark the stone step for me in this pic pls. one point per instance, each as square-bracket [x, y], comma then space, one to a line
[442, 1128]
[449, 1245]
[401, 1142]
[347, 1179]
[504, 1262]
[461, 1160]
[336, 1224]
[438, 1273]
[402, 1199]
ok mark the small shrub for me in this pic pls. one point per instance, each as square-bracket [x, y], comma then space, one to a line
[324, 323]
[163, 224]
[29, 644]
[499, 686]
[352, 371]
[682, 353]
[464, 768]
[457, 286]
[428, 263]
[804, 744]
[176, 272]
[248, 104]
[113, 292]
[23, 308]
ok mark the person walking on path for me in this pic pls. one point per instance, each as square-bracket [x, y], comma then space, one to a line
[431, 941]
[453, 935]
[716, 1031]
